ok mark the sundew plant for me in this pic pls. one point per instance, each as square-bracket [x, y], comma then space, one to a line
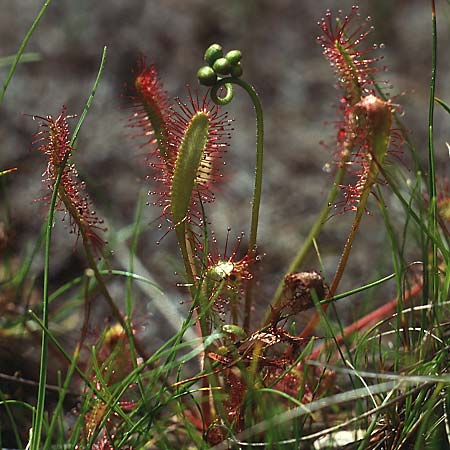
[242, 370]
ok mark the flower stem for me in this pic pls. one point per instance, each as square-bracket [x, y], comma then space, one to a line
[257, 190]
[187, 254]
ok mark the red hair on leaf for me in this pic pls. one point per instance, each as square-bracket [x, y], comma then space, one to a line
[54, 141]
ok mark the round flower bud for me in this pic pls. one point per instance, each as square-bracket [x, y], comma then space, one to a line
[222, 66]
[207, 76]
[213, 53]
[236, 70]
[234, 56]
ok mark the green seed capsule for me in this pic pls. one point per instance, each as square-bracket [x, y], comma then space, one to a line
[207, 76]
[222, 66]
[236, 71]
[213, 53]
[234, 56]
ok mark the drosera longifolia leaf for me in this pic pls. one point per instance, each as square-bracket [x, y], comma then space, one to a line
[187, 165]
[39, 416]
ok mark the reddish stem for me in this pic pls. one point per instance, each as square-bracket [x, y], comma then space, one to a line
[371, 318]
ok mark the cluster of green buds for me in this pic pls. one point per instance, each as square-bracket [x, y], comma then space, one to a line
[219, 65]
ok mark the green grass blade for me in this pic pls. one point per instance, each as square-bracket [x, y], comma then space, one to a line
[21, 50]
[39, 416]
[15, 431]
[62, 395]
[26, 57]
[433, 212]
[443, 104]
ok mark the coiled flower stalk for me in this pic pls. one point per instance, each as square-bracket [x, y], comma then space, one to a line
[226, 71]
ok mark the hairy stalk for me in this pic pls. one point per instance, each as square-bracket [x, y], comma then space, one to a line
[258, 171]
